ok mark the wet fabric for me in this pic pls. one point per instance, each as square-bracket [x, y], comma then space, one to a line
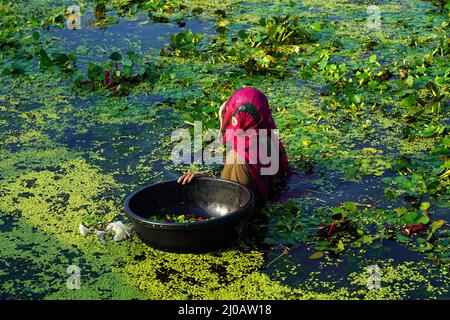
[237, 172]
[245, 114]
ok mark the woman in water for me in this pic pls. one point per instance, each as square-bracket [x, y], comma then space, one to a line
[248, 111]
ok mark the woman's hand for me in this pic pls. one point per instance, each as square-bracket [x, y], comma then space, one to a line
[186, 178]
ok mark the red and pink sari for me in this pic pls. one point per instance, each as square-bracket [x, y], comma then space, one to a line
[248, 111]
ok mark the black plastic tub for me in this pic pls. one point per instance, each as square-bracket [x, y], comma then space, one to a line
[227, 202]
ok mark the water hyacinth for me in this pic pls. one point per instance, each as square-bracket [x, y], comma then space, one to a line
[86, 117]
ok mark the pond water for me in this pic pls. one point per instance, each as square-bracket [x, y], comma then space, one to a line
[138, 34]
[123, 139]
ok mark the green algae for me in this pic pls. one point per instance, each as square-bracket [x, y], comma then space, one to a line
[51, 182]
[59, 182]
[35, 266]
[398, 281]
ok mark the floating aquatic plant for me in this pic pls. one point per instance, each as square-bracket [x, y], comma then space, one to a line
[184, 45]
[118, 75]
[277, 31]
[356, 107]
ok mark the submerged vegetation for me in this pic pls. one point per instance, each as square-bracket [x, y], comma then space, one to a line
[86, 117]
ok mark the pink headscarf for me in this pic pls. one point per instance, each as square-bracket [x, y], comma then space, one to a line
[248, 109]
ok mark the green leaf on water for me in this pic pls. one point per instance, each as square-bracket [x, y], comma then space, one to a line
[340, 246]
[317, 255]
[421, 240]
[410, 217]
[436, 225]
[350, 206]
[425, 206]
[36, 35]
[410, 100]
[410, 81]
[386, 180]
[423, 219]
[94, 71]
[402, 238]
[115, 56]
[370, 150]
[44, 60]
[389, 194]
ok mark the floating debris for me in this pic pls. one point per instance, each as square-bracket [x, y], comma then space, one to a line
[84, 231]
[122, 231]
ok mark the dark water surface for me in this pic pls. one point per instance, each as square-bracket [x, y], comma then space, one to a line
[121, 144]
[115, 140]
